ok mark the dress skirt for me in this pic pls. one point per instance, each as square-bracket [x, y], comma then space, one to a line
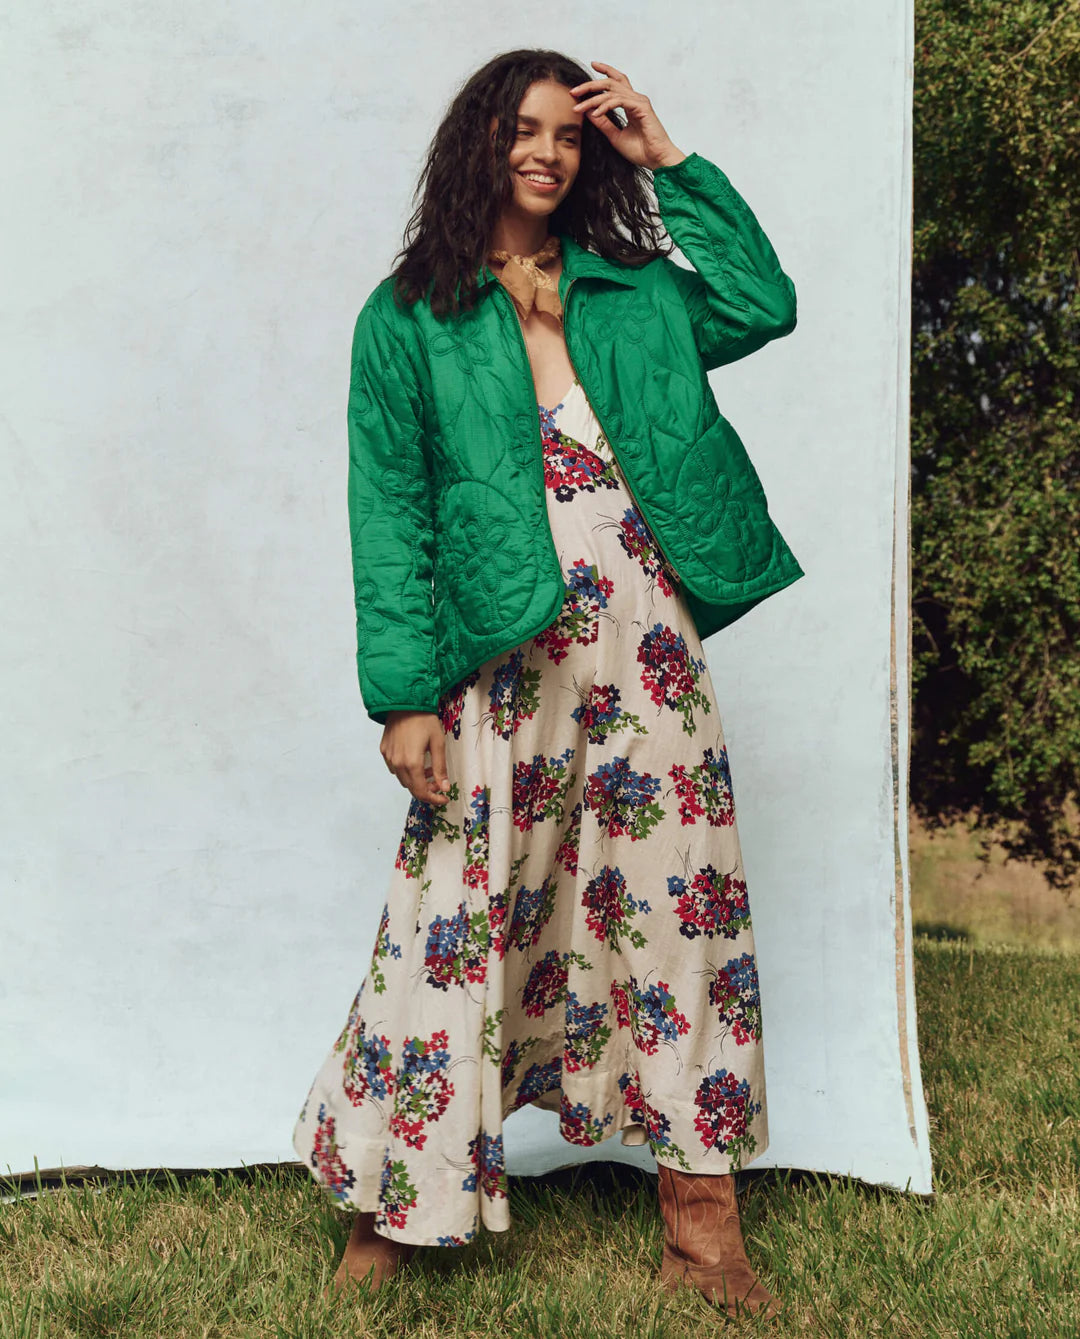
[572, 929]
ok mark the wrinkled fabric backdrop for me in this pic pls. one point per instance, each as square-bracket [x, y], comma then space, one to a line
[197, 826]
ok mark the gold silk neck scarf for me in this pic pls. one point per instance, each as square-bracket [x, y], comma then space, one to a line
[527, 283]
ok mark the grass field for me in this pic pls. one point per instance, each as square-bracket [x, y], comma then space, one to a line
[1003, 902]
[995, 1255]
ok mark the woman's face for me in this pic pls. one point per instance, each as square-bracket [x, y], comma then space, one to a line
[546, 144]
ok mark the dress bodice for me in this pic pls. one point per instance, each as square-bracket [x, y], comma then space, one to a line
[575, 417]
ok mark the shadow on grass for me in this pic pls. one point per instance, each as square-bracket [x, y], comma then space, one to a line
[605, 1183]
[941, 932]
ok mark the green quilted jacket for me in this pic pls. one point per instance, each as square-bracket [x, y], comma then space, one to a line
[453, 559]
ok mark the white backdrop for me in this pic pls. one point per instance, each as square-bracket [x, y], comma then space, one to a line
[196, 830]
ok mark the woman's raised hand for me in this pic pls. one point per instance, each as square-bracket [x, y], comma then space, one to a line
[643, 140]
[407, 737]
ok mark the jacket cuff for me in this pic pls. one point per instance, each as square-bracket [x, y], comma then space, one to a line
[379, 714]
[691, 168]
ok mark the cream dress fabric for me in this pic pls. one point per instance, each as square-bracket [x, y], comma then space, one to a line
[573, 928]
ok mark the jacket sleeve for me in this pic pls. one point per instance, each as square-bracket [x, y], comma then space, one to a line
[737, 295]
[390, 516]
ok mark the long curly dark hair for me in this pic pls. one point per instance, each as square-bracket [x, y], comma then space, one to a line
[465, 187]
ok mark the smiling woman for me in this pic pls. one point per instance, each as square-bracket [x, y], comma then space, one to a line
[548, 514]
[546, 155]
[544, 158]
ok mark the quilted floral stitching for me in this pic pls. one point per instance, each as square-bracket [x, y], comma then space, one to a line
[737, 291]
[466, 345]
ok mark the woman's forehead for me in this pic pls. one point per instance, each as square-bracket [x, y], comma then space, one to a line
[547, 99]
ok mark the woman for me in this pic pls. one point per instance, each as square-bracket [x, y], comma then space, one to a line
[548, 514]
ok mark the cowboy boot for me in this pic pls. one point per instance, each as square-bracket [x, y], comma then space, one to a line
[703, 1243]
[369, 1257]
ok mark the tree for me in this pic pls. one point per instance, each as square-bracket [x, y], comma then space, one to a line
[996, 424]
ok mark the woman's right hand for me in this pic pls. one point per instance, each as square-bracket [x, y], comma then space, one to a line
[407, 737]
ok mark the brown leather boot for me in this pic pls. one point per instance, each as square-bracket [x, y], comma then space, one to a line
[703, 1243]
[369, 1257]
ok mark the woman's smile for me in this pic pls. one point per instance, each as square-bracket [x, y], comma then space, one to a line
[546, 183]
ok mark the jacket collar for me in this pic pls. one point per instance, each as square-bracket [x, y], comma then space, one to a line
[578, 263]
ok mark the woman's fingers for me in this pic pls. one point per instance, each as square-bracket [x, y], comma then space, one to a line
[421, 781]
[612, 76]
[609, 104]
[406, 743]
[418, 783]
[432, 794]
[612, 71]
[591, 86]
[611, 98]
[437, 747]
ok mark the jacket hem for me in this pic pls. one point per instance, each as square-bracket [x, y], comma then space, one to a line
[379, 714]
[743, 604]
[713, 616]
[546, 622]
[751, 590]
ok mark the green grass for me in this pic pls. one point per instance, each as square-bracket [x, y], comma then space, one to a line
[996, 1254]
[956, 895]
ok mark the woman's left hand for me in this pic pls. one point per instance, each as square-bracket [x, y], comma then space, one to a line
[643, 140]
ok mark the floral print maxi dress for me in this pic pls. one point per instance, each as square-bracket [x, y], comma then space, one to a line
[572, 928]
